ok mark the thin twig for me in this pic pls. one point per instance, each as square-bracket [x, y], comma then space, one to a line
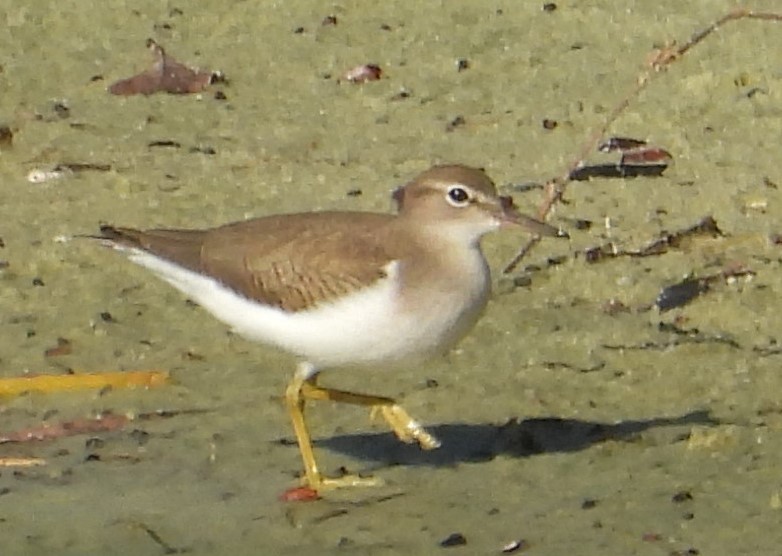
[659, 60]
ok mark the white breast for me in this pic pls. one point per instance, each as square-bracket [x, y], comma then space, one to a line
[369, 327]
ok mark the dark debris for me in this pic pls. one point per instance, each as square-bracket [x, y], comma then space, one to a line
[166, 75]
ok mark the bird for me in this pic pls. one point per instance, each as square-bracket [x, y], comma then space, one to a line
[344, 288]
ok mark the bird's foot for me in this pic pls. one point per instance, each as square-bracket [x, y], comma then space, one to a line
[405, 427]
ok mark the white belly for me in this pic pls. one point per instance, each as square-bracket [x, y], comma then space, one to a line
[367, 328]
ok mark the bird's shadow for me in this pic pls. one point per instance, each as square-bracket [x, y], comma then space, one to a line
[483, 442]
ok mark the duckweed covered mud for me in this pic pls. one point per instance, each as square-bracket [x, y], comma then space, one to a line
[571, 427]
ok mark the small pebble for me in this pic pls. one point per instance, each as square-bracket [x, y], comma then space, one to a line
[94, 443]
[582, 224]
[458, 121]
[681, 496]
[139, 436]
[363, 73]
[401, 95]
[62, 109]
[6, 136]
[515, 546]
[454, 539]
[41, 176]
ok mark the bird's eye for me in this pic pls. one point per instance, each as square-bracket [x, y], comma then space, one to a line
[458, 196]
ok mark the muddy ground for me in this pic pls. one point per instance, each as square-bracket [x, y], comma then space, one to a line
[574, 428]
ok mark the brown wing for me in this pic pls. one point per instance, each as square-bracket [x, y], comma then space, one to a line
[292, 261]
[180, 246]
[297, 261]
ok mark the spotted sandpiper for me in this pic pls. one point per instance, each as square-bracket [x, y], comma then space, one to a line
[342, 289]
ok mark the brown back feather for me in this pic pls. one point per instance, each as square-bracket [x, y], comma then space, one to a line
[292, 261]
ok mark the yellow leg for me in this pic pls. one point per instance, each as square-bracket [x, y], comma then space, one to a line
[295, 404]
[405, 427]
[303, 387]
[295, 400]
